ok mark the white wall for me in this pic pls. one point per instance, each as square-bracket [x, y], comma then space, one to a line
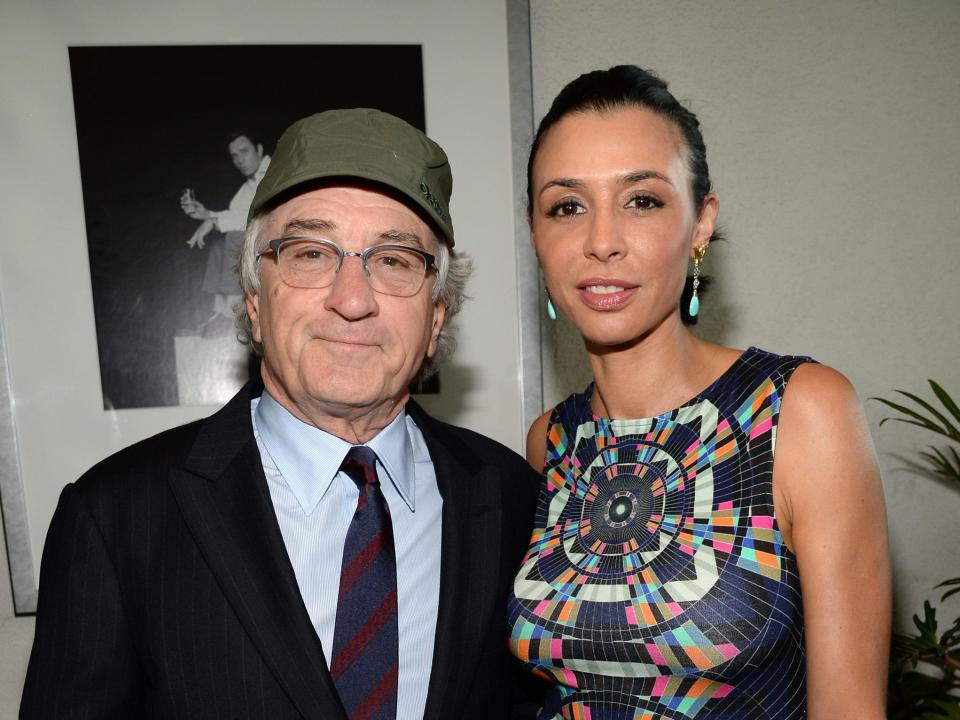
[48, 319]
[833, 139]
[16, 637]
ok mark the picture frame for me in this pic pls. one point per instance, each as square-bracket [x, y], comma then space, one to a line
[164, 284]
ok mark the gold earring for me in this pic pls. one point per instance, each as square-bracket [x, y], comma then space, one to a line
[698, 253]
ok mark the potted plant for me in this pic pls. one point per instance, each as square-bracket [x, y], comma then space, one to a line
[925, 665]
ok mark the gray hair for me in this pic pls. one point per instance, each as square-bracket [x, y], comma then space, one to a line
[453, 271]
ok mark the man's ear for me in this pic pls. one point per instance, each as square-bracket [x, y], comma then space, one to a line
[439, 315]
[252, 302]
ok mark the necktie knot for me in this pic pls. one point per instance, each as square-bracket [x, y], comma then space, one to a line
[360, 465]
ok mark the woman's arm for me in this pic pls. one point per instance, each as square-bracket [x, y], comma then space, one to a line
[537, 441]
[831, 510]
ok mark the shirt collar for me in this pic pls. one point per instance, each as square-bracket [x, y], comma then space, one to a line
[261, 171]
[309, 458]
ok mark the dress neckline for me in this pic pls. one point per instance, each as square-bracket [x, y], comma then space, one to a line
[733, 367]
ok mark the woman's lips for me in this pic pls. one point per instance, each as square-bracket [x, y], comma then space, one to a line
[604, 294]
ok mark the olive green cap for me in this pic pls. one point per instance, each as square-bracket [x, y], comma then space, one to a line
[367, 144]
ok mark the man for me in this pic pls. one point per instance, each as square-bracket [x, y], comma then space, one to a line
[219, 280]
[258, 563]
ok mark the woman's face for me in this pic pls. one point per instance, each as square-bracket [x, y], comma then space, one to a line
[613, 222]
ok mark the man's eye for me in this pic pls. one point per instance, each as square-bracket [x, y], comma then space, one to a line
[396, 259]
[565, 208]
[312, 253]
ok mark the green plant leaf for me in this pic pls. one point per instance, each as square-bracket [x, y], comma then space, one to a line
[945, 399]
[903, 409]
[954, 591]
[948, 428]
[927, 626]
[940, 464]
[911, 694]
[918, 419]
[950, 465]
[947, 709]
[925, 425]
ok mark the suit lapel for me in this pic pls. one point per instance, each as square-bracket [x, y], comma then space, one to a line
[224, 499]
[469, 565]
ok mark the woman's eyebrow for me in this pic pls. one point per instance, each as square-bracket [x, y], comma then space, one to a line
[561, 182]
[625, 179]
[641, 175]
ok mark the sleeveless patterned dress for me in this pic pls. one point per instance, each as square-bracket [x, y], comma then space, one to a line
[657, 584]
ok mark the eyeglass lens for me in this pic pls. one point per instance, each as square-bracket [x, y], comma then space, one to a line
[392, 270]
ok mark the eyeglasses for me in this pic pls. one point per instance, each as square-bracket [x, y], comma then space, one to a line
[313, 263]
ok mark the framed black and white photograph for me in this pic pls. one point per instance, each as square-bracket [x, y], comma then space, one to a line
[168, 135]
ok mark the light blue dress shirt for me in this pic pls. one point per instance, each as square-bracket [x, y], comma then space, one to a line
[315, 503]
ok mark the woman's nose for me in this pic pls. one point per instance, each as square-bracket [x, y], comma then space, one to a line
[604, 240]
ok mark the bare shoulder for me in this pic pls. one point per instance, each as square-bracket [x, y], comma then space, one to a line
[816, 389]
[821, 422]
[537, 441]
[824, 448]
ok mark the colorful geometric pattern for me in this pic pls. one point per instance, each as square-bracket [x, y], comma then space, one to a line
[657, 584]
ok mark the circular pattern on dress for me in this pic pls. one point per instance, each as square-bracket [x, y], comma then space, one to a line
[622, 508]
[618, 509]
[636, 495]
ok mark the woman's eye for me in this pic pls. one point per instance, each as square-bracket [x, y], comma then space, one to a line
[565, 208]
[645, 202]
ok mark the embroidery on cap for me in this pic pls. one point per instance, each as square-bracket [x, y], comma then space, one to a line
[425, 189]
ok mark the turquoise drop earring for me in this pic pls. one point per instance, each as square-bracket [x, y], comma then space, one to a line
[551, 310]
[698, 253]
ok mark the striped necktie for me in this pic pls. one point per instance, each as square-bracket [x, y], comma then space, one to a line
[365, 644]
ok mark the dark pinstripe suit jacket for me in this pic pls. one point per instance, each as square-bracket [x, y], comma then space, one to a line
[166, 590]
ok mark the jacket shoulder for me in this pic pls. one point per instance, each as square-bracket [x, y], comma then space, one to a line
[475, 451]
[142, 461]
[468, 445]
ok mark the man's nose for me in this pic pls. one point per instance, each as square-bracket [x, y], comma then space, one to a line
[350, 294]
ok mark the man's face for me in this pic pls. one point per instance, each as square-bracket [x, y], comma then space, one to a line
[343, 351]
[245, 155]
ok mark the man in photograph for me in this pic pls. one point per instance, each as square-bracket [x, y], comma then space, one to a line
[220, 280]
[320, 547]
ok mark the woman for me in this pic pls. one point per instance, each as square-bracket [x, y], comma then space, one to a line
[678, 568]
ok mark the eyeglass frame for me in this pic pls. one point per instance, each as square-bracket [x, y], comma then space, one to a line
[274, 246]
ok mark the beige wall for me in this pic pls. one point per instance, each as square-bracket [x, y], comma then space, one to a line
[833, 139]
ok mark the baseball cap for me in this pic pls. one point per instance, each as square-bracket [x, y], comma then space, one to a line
[367, 144]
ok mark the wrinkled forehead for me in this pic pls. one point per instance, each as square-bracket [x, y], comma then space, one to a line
[350, 203]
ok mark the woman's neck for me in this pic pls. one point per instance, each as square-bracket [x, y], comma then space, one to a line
[655, 373]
